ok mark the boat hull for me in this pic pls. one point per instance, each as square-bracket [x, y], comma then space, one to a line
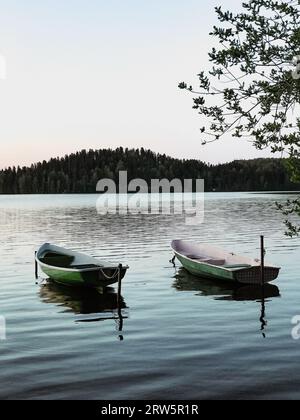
[251, 275]
[82, 279]
[205, 270]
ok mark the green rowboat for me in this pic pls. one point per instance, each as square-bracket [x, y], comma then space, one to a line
[72, 268]
[207, 261]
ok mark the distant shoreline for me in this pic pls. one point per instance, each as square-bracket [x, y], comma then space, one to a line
[80, 172]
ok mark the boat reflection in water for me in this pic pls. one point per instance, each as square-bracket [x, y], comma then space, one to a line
[221, 290]
[83, 301]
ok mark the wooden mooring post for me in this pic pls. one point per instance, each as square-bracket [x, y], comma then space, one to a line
[119, 301]
[119, 297]
[262, 260]
[36, 267]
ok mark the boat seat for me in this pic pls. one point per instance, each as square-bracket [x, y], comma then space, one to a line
[237, 266]
[207, 260]
[197, 257]
[83, 266]
[212, 261]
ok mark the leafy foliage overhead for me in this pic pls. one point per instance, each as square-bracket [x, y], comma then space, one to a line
[252, 89]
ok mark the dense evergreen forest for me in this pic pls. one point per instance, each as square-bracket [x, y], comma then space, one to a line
[80, 172]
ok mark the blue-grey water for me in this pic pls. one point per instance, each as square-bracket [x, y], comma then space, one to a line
[181, 337]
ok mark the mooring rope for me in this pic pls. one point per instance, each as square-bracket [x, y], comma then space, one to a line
[107, 277]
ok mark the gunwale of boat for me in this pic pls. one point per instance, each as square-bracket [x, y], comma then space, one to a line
[98, 264]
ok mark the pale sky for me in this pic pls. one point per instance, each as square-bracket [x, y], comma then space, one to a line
[98, 73]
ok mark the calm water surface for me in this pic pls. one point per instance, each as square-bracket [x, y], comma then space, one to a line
[181, 338]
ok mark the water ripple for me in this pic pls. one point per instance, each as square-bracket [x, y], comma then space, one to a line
[181, 337]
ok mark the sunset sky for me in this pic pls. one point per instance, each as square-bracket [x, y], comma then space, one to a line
[98, 73]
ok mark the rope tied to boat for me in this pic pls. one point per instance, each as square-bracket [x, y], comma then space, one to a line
[172, 261]
[107, 277]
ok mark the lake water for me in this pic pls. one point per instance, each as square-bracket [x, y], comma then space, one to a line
[181, 338]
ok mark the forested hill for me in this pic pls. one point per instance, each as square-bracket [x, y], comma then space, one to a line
[80, 172]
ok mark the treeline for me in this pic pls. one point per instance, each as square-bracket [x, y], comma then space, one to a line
[80, 172]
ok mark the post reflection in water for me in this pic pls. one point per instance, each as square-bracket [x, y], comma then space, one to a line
[83, 301]
[221, 290]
